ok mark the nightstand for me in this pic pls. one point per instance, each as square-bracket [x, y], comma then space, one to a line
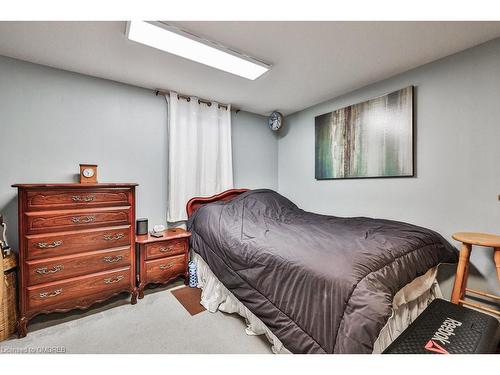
[160, 260]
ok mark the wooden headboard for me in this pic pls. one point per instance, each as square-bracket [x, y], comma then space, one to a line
[197, 202]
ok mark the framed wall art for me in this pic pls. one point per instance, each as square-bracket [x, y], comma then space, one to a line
[367, 140]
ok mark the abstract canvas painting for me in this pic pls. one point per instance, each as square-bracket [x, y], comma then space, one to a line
[366, 140]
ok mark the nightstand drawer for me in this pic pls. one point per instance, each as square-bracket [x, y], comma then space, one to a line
[67, 199]
[38, 222]
[166, 248]
[59, 268]
[161, 270]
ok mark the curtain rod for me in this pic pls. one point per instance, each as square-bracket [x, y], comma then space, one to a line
[200, 100]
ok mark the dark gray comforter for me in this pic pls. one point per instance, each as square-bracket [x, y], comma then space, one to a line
[322, 284]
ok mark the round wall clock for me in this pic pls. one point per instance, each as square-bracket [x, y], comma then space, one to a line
[275, 121]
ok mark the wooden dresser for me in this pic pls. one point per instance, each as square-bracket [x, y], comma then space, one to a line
[162, 259]
[76, 246]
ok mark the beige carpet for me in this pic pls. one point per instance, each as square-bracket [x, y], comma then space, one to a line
[157, 324]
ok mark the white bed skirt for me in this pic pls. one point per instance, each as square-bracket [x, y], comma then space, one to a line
[407, 304]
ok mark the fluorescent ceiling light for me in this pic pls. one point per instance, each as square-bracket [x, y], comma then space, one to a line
[190, 47]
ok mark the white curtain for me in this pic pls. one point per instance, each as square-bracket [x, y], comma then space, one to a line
[199, 152]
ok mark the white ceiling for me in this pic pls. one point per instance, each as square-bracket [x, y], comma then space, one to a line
[312, 61]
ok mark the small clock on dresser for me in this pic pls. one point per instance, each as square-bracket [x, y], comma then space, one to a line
[88, 174]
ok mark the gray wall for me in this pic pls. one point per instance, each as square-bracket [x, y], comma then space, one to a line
[457, 148]
[255, 152]
[52, 120]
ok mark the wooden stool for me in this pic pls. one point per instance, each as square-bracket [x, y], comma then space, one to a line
[460, 287]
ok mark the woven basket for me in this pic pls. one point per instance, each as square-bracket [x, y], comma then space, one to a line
[8, 308]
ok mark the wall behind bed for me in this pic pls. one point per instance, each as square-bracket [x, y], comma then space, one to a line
[52, 120]
[457, 104]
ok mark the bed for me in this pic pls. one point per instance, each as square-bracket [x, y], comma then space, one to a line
[312, 283]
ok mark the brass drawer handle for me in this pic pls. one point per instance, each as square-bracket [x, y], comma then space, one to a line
[166, 266]
[110, 259]
[82, 219]
[112, 280]
[46, 271]
[51, 294]
[167, 249]
[116, 237]
[45, 245]
[77, 198]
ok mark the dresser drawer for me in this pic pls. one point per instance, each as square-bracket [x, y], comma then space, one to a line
[38, 222]
[60, 268]
[40, 246]
[160, 270]
[166, 248]
[66, 199]
[78, 291]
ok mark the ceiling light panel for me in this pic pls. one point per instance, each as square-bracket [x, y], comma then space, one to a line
[172, 41]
